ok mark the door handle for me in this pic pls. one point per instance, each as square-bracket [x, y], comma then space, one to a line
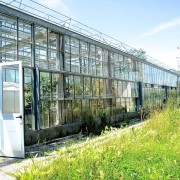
[20, 116]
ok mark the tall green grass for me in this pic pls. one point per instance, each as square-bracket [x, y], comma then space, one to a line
[150, 150]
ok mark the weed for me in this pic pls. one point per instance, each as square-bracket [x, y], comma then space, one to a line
[149, 150]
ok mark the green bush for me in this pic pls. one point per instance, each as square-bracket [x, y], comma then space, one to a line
[90, 126]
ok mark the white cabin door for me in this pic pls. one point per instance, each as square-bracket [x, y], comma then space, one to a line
[11, 110]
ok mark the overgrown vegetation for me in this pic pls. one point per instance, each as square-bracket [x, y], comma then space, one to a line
[94, 126]
[149, 150]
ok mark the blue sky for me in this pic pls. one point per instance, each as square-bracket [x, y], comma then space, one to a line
[153, 26]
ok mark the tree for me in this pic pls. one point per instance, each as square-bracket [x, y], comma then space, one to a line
[138, 53]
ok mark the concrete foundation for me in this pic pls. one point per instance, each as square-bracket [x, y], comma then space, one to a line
[43, 135]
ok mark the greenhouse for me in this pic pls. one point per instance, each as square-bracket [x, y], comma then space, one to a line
[53, 77]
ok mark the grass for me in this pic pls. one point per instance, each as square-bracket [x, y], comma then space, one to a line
[150, 150]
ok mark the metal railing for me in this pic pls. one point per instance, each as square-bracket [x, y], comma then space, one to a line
[71, 24]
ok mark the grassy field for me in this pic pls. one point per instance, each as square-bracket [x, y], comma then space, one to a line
[149, 150]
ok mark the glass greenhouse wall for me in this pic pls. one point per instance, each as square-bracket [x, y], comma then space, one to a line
[68, 76]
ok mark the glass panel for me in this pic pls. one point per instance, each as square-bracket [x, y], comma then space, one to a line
[41, 57]
[44, 114]
[10, 93]
[53, 40]
[84, 57]
[95, 82]
[99, 61]
[85, 66]
[24, 46]
[60, 115]
[129, 84]
[53, 114]
[100, 107]
[74, 46]
[67, 44]
[116, 65]
[69, 86]
[41, 47]
[68, 112]
[93, 67]
[94, 108]
[119, 90]
[76, 106]
[128, 104]
[105, 64]
[112, 65]
[123, 104]
[24, 32]
[8, 38]
[57, 86]
[75, 63]
[53, 58]
[45, 85]
[29, 119]
[24, 53]
[85, 109]
[107, 106]
[92, 57]
[78, 82]
[54, 86]
[119, 108]
[92, 51]
[99, 68]
[108, 87]
[75, 59]
[125, 89]
[114, 89]
[41, 36]
[102, 88]
[67, 62]
[10, 75]
[87, 86]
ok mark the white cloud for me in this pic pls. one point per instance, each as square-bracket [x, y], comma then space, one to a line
[166, 56]
[162, 27]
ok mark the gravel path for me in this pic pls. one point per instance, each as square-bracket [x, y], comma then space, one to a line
[4, 165]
